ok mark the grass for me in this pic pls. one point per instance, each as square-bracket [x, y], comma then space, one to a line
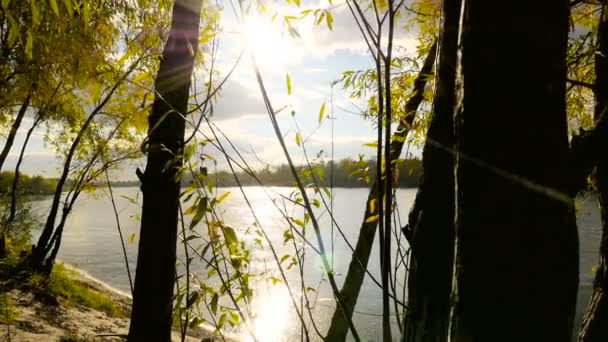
[62, 284]
[7, 311]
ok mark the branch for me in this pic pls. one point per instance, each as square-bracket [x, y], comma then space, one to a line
[581, 83]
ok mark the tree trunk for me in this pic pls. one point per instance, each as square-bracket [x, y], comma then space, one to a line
[517, 246]
[13, 192]
[37, 258]
[431, 219]
[14, 128]
[595, 322]
[358, 264]
[13, 205]
[151, 316]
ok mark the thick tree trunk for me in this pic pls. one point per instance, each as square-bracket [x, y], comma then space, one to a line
[595, 322]
[10, 139]
[151, 317]
[358, 264]
[431, 219]
[517, 246]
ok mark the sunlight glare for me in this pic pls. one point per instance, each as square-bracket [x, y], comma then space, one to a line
[273, 318]
[265, 40]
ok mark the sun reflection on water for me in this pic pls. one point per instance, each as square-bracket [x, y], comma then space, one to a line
[272, 319]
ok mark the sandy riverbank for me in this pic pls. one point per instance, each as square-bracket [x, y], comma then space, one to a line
[69, 321]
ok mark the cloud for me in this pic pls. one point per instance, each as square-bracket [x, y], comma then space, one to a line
[345, 35]
[237, 99]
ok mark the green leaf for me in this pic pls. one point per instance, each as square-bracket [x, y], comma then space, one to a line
[192, 298]
[321, 112]
[86, 12]
[298, 222]
[54, 7]
[372, 144]
[288, 84]
[68, 7]
[230, 235]
[372, 219]
[372, 205]
[132, 238]
[213, 304]
[283, 258]
[201, 209]
[35, 13]
[221, 321]
[236, 318]
[298, 139]
[5, 3]
[29, 44]
[13, 33]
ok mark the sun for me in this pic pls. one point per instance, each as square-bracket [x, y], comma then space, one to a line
[266, 41]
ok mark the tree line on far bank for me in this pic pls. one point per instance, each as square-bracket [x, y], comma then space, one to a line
[346, 173]
[28, 185]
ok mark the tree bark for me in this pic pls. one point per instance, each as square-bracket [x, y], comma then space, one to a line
[517, 246]
[358, 264]
[151, 316]
[431, 219]
[595, 321]
[14, 128]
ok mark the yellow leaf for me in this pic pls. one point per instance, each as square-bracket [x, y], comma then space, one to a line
[223, 197]
[372, 205]
[321, 112]
[140, 77]
[288, 83]
[298, 139]
[372, 219]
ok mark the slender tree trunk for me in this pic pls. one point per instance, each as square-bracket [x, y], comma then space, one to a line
[13, 192]
[595, 322]
[43, 244]
[13, 206]
[151, 317]
[14, 128]
[431, 220]
[516, 270]
[358, 264]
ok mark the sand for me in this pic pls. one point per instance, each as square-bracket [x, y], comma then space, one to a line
[68, 321]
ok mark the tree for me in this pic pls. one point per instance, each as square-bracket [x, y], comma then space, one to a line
[594, 327]
[430, 228]
[358, 265]
[516, 238]
[151, 317]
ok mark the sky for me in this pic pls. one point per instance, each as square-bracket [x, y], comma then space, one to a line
[312, 61]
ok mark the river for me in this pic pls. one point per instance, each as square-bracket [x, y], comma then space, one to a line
[91, 242]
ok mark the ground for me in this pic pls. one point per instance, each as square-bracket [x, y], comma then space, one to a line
[62, 320]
